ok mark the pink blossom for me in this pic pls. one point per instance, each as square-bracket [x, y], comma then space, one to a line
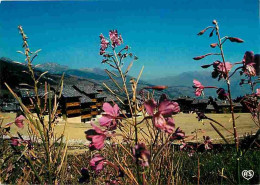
[96, 136]
[15, 142]
[103, 43]
[248, 64]
[115, 39]
[178, 134]
[207, 142]
[258, 92]
[97, 163]
[165, 109]
[198, 87]
[142, 154]
[108, 119]
[221, 67]
[19, 121]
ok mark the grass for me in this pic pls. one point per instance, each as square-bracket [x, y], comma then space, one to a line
[187, 122]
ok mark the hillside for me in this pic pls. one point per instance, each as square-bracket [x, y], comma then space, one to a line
[183, 83]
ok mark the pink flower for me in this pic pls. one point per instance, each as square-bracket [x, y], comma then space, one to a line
[248, 64]
[108, 119]
[178, 134]
[221, 67]
[142, 154]
[207, 142]
[96, 136]
[97, 163]
[16, 142]
[166, 108]
[257, 92]
[103, 43]
[115, 39]
[19, 121]
[198, 87]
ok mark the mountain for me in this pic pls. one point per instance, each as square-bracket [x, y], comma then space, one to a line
[52, 67]
[183, 83]
[179, 85]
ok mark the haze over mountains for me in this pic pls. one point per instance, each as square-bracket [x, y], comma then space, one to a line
[179, 85]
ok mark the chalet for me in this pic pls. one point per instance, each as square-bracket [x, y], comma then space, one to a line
[90, 92]
[184, 103]
[199, 105]
[210, 109]
[10, 106]
[224, 107]
[27, 96]
[86, 110]
[70, 101]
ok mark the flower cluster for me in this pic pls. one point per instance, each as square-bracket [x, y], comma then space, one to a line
[161, 113]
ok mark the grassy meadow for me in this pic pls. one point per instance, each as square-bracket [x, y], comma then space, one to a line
[187, 122]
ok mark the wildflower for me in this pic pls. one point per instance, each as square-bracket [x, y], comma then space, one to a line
[222, 94]
[109, 118]
[166, 108]
[19, 121]
[115, 39]
[178, 134]
[207, 143]
[96, 136]
[103, 43]
[257, 92]
[224, 68]
[97, 163]
[248, 64]
[15, 142]
[142, 154]
[84, 176]
[199, 87]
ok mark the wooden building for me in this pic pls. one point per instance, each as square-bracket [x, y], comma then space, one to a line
[89, 91]
[70, 102]
[199, 105]
[27, 96]
[184, 103]
[86, 109]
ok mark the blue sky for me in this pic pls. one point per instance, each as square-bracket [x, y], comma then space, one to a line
[161, 33]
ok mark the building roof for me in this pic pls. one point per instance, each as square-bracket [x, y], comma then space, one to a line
[26, 93]
[200, 101]
[10, 107]
[87, 89]
[70, 92]
[85, 99]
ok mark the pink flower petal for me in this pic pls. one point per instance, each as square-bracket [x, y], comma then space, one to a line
[159, 121]
[108, 108]
[167, 107]
[115, 110]
[150, 106]
[105, 120]
[98, 141]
